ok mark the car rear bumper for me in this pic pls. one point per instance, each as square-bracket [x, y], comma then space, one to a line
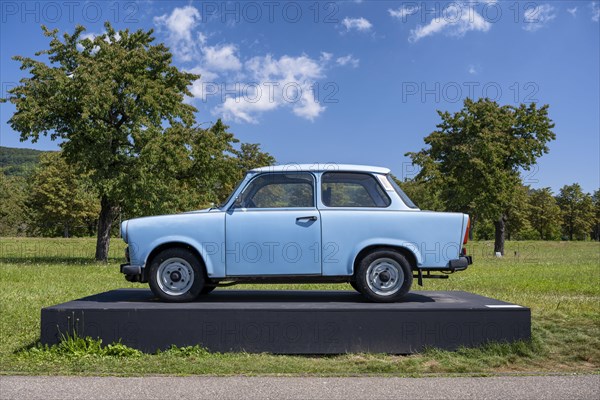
[460, 264]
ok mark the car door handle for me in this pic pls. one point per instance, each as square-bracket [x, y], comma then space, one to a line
[308, 218]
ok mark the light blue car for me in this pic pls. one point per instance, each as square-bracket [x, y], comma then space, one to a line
[299, 223]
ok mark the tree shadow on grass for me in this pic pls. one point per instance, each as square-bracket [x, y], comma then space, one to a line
[27, 347]
[83, 261]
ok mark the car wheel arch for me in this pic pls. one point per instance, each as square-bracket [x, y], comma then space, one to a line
[404, 251]
[182, 245]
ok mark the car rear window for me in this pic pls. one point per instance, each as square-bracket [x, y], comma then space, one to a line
[352, 189]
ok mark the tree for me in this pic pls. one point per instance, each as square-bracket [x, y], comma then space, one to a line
[13, 211]
[577, 211]
[595, 234]
[517, 221]
[251, 156]
[544, 214]
[475, 156]
[106, 99]
[423, 193]
[61, 201]
[188, 168]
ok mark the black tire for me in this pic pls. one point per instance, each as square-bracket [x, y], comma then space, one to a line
[354, 286]
[176, 275]
[389, 265]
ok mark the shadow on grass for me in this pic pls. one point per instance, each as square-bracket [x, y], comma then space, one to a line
[58, 260]
[27, 347]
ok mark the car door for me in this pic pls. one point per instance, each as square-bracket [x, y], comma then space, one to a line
[274, 227]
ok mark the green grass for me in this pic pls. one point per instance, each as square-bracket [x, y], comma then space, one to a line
[559, 281]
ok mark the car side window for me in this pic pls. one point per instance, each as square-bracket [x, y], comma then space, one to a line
[352, 189]
[279, 190]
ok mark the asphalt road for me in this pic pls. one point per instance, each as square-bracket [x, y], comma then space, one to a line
[507, 387]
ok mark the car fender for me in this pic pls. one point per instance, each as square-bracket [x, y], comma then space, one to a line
[206, 250]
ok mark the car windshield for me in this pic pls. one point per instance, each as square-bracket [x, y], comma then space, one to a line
[237, 186]
[409, 203]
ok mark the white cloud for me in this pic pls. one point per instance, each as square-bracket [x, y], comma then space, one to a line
[179, 25]
[284, 82]
[221, 58]
[204, 86]
[360, 24]
[595, 11]
[325, 56]
[290, 68]
[403, 12]
[309, 107]
[242, 110]
[347, 60]
[536, 17]
[457, 21]
[472, 70]
[572, 11]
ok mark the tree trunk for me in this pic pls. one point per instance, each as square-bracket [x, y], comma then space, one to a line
[499, 237]
[105, 220]
[66, 230]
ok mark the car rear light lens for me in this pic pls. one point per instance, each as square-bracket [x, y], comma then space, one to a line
[466, 238]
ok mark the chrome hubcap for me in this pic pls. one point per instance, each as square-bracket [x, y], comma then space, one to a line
[175, 276]
[385, 276]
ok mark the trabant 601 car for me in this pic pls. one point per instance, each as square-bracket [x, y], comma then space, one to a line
[299, 224]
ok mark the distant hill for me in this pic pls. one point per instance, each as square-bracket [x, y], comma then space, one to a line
[17, 162]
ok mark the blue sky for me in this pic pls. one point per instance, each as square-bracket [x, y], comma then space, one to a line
[355, 81]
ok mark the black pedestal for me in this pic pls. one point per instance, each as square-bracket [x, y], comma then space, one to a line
[289, 322]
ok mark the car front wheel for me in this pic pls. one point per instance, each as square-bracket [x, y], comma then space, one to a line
[384, 276]
[176, 275]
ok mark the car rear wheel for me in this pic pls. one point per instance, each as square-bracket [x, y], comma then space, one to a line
[384, 276]
[176, 275]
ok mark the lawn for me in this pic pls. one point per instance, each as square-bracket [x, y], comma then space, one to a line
[559, 281]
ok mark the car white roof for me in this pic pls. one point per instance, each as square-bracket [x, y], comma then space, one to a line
[320, 167]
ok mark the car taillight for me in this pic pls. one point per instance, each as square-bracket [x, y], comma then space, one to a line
[466, 238]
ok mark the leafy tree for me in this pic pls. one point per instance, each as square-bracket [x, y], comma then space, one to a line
[544, 214]
[218, 164]
[250, 156]
[61, 201]
[106, 99]
[476, 153]
[13, 211]
[595, 234]
[423, 193]
[517, 221]
[577, 211]
[188, 168]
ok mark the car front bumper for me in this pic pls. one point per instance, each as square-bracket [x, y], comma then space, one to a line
[129, 269]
